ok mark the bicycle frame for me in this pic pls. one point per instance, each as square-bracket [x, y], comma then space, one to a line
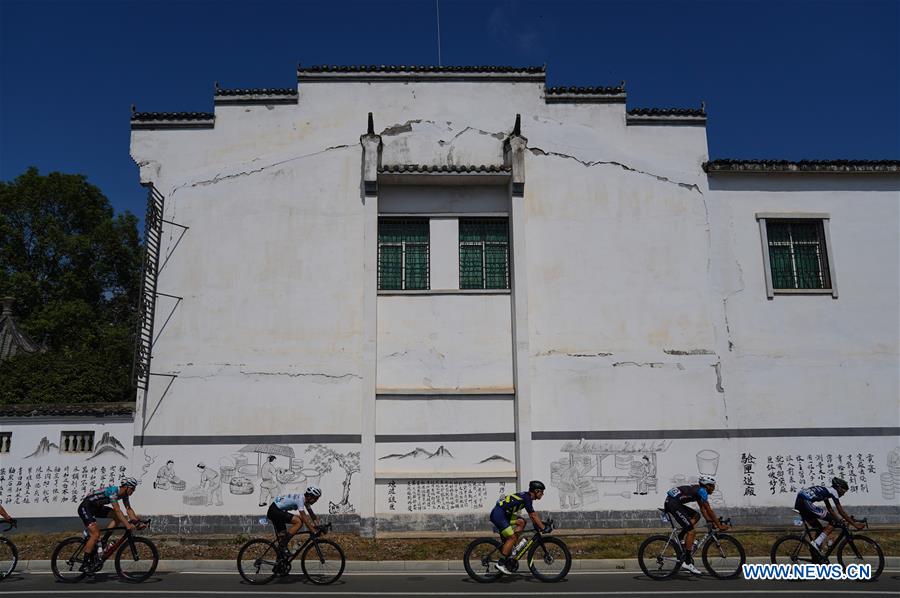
[534, 535]
[809, 534]
[310, 540]
[111, 549]
[710, 535]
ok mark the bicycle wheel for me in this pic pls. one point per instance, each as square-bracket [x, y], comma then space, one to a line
[549, 560]
[136, 559]
[9, 556]
[68, 556]
[480, 560]
[659, 557]
[862, 550]
[723, 556]
[323, 562]
[793, 549]
[257, 561]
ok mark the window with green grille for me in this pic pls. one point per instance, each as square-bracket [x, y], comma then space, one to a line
[483, 253]
[797, 254]
[403, 253]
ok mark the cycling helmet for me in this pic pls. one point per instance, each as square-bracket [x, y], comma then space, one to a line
[129, 483]
[706, 479]
[314, 491]
[840, 483]
[535, 485]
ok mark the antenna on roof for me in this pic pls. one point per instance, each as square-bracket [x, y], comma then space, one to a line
[437, 7]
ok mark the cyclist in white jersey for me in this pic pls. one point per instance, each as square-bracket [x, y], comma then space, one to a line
[279, 513]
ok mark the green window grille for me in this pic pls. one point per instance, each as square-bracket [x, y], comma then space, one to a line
[483, 253]
[797, 255]
[403, 253]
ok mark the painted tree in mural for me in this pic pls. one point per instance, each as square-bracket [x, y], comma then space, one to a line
[323, 459]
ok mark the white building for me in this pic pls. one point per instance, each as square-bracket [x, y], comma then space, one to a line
[492, 281]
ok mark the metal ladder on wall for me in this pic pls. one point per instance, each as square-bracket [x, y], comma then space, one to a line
[153, 226]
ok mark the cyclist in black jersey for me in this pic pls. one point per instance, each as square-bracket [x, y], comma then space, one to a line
[6, 516]
[676, 506]
[103, 502]
[507, 509]
[812, 513]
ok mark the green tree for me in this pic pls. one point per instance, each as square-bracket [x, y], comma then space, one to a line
[73, 266]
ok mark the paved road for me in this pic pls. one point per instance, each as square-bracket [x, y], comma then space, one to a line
[193, 585]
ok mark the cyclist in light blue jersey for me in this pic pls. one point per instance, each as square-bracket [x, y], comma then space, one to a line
[279, 513]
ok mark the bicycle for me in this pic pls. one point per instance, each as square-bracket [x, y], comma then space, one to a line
[549, 559]
[136, 556]
[9, 554]
[660, 557]
[259, 560]
[851, 548]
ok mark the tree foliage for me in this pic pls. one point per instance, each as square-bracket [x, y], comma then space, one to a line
[73, 266]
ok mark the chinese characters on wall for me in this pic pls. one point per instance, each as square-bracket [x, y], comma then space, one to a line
[788, 474]
[46, 484]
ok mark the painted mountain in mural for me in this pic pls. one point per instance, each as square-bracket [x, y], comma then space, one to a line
[495, 458]
[43, 448]
[419, 453]
[108, 444]
[441, 452]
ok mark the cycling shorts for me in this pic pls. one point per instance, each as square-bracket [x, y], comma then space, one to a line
[279, 518]
[683, 514]
[88, 512]
[812, 513]
[503, 522]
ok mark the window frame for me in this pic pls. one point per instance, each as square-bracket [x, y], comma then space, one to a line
[484, 260]
[402, 245]
[68, 437]
[763, 218]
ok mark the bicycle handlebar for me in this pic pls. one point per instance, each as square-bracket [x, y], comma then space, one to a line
[11, 524]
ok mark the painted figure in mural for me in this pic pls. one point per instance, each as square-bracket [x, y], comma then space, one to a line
[507, 509]
[212, 482]
[648, 476]
[676, 506]
[573, 483]
[279, 514]
[104, 502]
[269, 487]
[812, 513]
[165, 477]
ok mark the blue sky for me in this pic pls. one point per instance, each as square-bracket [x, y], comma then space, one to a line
[786, 79]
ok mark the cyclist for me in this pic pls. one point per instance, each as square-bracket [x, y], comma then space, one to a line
[280, 516]
[508, 508]
[812, 513]
[104, 502]
[676, 506]
[6, 516]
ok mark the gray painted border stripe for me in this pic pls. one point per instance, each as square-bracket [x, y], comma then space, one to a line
[269, 439]
[741, 433]
[487, 437]
[424, 397]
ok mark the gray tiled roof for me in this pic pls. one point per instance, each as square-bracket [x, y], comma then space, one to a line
[67, 410]
[259, 91]
[666, 112]
[12, 339]
[393, 68]
[171, 116]
[572, 90]
[790, 166]
[424, 168]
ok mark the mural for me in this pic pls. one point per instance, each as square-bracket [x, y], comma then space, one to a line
[890, 480]
[588, 465]
[324, 459]
[440, 452]
[439, 495]
[107, 444]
